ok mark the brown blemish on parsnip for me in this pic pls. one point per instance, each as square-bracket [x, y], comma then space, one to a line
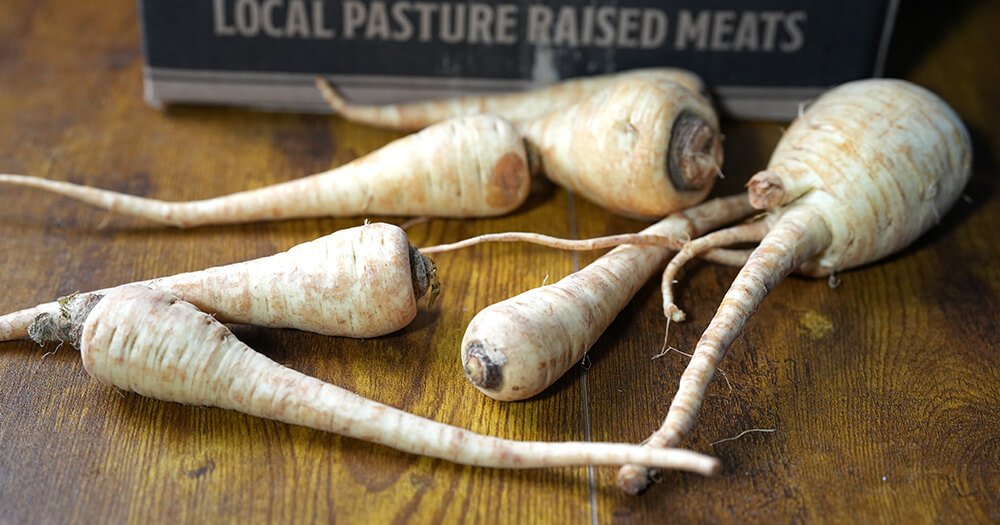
[510, 175]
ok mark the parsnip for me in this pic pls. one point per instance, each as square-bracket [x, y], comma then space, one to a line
[867, 169]
[474, 166]
[516, 348]
[642, 144]
[356, 282]
[519, 108]
[150, 342]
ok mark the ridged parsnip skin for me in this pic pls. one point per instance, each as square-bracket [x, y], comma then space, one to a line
[516, 348]
[881, 161]
[613, 148]
[468, 167]
[149, 342]
[519, 108]
[355, 282]
[866, 170]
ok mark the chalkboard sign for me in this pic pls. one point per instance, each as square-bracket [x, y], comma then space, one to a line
[761, 57]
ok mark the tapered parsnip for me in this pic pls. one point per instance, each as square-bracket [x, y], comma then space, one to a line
[150, 342]
[516, 348]
[516, 107]
[469, 167]
[357, 282]
[642, 146]
[866, 170]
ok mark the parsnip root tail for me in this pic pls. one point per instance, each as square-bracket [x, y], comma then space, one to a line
[330, 95]
[726, 256]
[797, 236]
[142, 207]
[714, 214]
[752, 232]
[382, 116]
[596, 243]
[244, 206]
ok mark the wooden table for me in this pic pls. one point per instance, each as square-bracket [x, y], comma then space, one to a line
[883, 394]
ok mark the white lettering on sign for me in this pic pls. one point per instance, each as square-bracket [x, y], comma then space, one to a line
[271, 18]
[559, 26]
[744, 31]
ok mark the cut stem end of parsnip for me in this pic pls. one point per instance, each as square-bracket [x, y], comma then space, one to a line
[64, 325]
[424, 275]
[481, 369]
[695, 153]
[766, 190]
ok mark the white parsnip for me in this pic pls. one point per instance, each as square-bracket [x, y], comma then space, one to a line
[150, 342]
[642, 145]
[474, 166]
[639, 148]
[356, 282]
[516, 348]
[519, 107]
[867, 169]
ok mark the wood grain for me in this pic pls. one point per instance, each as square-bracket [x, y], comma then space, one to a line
[882, 393]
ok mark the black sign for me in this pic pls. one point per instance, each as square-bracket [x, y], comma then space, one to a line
[734, 43]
